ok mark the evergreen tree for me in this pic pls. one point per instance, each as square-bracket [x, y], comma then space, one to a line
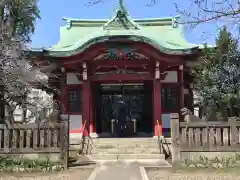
[17, 21]
[20, 17]
[218, 75]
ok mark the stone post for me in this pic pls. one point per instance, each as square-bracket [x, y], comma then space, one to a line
[175, 137]
[64, 140]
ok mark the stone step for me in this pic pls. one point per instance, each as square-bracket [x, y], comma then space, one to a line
[95, 157]
[124, 148]
[149, 155]
[126, 151]
[124, 139]
[121, 142]
[146, 160]
[111, 146]
[120, 151]
[123, 145]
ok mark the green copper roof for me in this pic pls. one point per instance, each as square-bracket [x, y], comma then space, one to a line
[165, 34]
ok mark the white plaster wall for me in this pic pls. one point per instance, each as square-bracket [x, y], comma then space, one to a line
[75, 122]
[171, 77]
[75, 138]
[72, 79]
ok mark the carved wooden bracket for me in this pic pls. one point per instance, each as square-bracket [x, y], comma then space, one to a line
[181, 67]
[85, 71]
[157, 70]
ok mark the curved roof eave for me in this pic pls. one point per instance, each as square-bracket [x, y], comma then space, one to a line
[137, 20]
[78, 48]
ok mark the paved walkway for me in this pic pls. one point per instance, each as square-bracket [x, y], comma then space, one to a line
[121, 171]
[118, 171]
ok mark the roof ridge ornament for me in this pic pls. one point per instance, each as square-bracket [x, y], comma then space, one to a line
[174, 22]
[121, 19]
[69, 24]
[121, 7]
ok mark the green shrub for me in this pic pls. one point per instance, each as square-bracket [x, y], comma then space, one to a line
[225, 162]
[26, 165]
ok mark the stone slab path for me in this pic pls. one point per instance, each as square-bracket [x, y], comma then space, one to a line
[120, 171]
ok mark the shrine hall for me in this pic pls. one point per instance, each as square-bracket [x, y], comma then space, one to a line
[121, 76]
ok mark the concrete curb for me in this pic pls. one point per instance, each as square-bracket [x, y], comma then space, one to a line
[168, 165]
[143, 173]
[94, 173]
[127, 160]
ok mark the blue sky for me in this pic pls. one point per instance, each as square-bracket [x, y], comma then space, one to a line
[52, 11]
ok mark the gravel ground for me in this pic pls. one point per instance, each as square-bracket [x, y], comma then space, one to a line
[72, 174]
[160, 174]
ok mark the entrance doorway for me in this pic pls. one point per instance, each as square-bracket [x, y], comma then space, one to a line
[137, 99]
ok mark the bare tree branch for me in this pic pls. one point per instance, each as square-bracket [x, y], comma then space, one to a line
[200, 11]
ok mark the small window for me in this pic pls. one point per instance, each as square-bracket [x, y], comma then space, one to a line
[170, 98]
[75, 101]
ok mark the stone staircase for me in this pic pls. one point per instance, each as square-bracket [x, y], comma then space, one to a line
[112, 149]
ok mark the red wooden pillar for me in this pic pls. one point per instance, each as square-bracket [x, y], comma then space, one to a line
[181, 89]
[91, 116]
[157, 107]
[63, 95]
[85, 105]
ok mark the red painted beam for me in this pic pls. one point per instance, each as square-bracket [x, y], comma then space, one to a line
[100, 48]
[120, 82]
[112, 69]
[121, 62]
[152, 52]
[120, 77]
[71, 64]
